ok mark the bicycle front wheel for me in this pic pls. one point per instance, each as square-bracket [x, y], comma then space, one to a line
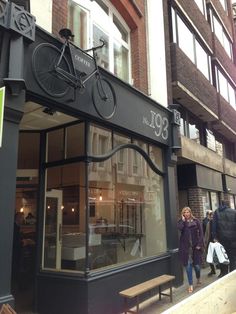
[104, 98]
[44, 60]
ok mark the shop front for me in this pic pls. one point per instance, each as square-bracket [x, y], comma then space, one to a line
[99, 182]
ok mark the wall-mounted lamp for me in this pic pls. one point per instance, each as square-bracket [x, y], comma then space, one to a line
[72, 209]
[100, 196]
[22, 209]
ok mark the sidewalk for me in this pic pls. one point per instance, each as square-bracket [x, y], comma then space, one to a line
[154, 306]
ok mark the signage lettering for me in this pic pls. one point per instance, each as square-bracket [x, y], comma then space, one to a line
[158, 123]
[82, 60]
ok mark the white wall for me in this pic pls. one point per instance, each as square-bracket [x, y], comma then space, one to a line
[156, 53]
[42, 10]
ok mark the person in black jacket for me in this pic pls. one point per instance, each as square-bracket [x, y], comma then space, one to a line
[208, 237]
[224, 231]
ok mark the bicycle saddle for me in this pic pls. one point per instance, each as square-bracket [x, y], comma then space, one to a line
[66, 33]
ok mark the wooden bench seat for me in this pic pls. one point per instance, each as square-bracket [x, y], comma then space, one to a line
[137, 290]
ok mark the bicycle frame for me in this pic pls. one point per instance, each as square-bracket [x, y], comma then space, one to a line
[74, 79]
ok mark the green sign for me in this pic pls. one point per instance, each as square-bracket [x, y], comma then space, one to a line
[2, 101]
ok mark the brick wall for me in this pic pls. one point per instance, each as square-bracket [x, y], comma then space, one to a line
[195, 198]
[134, 15]
[59, 16]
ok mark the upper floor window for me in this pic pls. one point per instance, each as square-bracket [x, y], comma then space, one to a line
[220, 33]
[188, 43]
[213, 143]
[225, 88]
[224, 4]
[202, 6]
[91, 21]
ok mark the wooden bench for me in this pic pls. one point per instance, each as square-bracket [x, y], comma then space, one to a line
[136, 291]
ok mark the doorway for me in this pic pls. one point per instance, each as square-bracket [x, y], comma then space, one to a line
[35, 121]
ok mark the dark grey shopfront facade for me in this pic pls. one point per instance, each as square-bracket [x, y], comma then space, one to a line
[133, 228]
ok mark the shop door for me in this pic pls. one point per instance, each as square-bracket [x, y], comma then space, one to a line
[52, 230]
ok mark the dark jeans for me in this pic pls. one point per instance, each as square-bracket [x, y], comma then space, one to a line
[189, 271]
[231, 252]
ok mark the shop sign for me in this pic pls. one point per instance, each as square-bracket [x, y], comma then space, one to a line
[2, 101]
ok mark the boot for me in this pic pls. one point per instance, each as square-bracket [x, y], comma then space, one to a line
[212, 272]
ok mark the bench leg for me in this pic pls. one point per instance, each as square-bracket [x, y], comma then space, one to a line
[125, 305]
[171, 295]
[159, 292]
[137, 304]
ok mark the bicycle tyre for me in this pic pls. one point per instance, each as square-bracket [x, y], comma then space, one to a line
[43, 63]
[105, 108]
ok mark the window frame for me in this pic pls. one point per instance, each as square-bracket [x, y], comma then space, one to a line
[93, 20]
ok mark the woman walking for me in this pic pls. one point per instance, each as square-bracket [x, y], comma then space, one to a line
[190, 245]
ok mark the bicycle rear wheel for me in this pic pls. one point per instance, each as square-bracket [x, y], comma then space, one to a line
[44, 59]
[104, 98]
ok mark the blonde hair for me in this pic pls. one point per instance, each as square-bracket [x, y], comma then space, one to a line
[189, 209]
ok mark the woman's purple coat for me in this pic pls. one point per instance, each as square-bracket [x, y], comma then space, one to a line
[195, 229]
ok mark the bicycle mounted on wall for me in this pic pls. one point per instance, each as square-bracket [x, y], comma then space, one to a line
[54, 75]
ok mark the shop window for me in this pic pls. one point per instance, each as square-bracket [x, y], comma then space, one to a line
[75, 140]
[210, 201]
[125, 202]
[232, 201]
[126, 218]
[91, 21]
[28, 155]
[64, 218]
[55, 145]
[122, 155]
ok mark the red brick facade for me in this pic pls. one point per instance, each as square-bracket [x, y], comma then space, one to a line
[134, 15]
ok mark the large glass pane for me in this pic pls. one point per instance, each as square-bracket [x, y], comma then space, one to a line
[227, 45]
[102, 54]
[122, 155]
[214, 201]
[28, 158]
[78, 23]
[223, 85]
[210, 139]
[218, 29]
[224, 5]
[156, 155]
[173, 16]
[28, 155]
[202, 60]
[64, 226]
[201, 5]
[185, 39]
[205, 202]
[194, 133]
[75, 140]
[121, 61]
[127, 214]
[119, 30]
[232, 96]
[55, 145]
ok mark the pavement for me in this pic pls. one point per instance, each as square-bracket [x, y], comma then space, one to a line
[154, 306]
